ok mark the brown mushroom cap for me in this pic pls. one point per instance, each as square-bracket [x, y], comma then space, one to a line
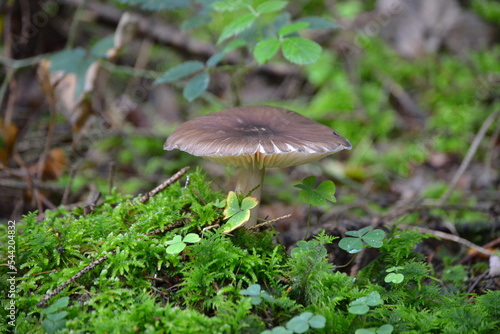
[256, 137]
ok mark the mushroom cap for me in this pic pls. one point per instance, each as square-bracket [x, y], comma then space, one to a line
[256, 137]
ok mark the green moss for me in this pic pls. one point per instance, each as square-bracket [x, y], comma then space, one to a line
[140, 288]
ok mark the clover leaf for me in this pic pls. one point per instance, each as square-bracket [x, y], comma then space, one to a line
[361, 238]
[178, 244]
[362, 304]
[237, 213]
[316, 195]
[394, 276]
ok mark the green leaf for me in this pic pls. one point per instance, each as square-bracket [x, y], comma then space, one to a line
[237, 214]
[327, 190]
[374, 238]
[177, 239]
[57, 316]
[158, 5]
[180, 71]
[196, 22]
[305, 316]
[191, 238]
[248, 203]
[391, 269]
[266, 49]
[365, 331]
[196, 86]
[220, 203]
[359, 309]
[291, 28]
[58, 304]
[351, 245]
[52, 327]
[394, 278]
[359, 233]
[229, 5]
[271, 6]
[252, 290]
[318, 23]
[236, 26]
[176, 248]
[297, 325]
[234, 44]
[233, 205]
[316, 196]
[374, 299]
[215, 59]
[301, 51]
[385, 329]
[101, 48]
[278, 330]
[73, 61]
[317, 321]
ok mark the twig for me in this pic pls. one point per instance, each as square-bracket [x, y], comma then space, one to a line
[468, 157]
[492, 244]
[454, 238]
[167, 228]
[164, 185]
[111, 177]
[74, 25]
[405, 209]
[268, 222]
[89, 208]
[488, 162]
[56, 291]
[29, 180]
[67, 190]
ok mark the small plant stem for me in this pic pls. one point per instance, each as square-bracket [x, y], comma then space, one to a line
[308, 221]
[348, 262]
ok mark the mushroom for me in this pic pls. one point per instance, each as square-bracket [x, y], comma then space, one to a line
[254, 138]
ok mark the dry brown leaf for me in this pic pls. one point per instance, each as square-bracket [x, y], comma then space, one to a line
[8, 133]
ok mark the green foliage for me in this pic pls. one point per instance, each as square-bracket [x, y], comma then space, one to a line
[263, 28]
[256, 294]
[362, 304]
[357, 240]
[178, 243]
[299, 324]
[488, 9]
[312, 195]
[157, 5]
[237, 213]
[384, 329]
[394, 276]
[54, 317]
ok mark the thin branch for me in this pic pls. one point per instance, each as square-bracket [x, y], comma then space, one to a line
[468, 158]
[111, 177]
[454, 238]
[164, 185]
[67, 190]
[169, 227]
[268, 222]
[59, 289]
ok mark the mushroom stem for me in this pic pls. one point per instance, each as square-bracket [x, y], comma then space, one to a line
[248, 179]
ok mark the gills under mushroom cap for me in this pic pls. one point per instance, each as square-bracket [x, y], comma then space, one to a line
[256, 137]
